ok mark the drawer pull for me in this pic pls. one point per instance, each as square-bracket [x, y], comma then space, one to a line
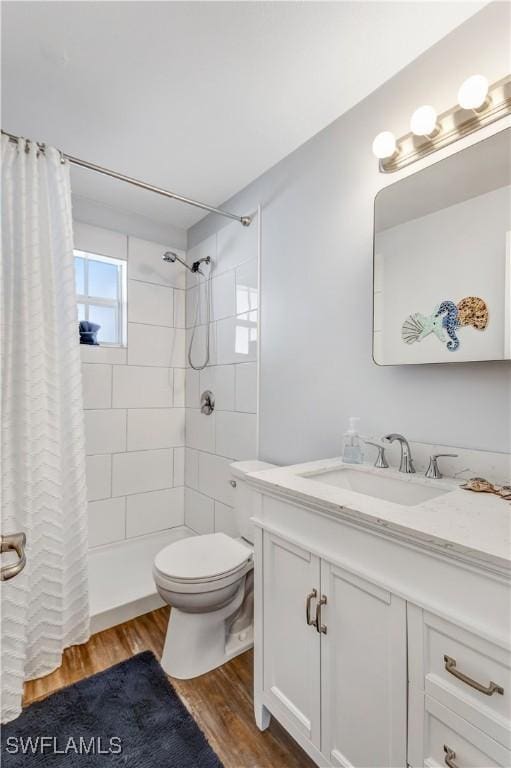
[310, 598]
[450, 756]
[488, 690]
[321, 628]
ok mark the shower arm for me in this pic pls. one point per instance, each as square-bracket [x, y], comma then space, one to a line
[172, 257]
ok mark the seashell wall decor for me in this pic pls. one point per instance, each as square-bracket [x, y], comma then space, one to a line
[473, 311]
[445, 321]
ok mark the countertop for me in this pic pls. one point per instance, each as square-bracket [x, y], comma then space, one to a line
[475, 525]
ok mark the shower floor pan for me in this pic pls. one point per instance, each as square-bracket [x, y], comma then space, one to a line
[121, 582]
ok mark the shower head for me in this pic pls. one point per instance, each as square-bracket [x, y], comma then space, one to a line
[169, 256]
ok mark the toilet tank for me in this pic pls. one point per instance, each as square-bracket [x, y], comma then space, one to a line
[242, 495]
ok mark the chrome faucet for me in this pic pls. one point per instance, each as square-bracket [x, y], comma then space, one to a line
[406, 464]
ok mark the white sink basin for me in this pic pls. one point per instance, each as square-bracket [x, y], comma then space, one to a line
[405, 492]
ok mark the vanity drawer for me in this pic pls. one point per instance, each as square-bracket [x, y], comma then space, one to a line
[451, 741]
[465, 672]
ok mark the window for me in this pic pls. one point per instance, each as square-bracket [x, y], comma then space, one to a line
[101, 294]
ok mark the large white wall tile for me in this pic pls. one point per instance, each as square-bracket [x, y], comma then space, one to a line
[247, 297]
[178, 358]
[107, 521]
[145, 263]
[198, 289]
[179, 308]
[199, 512]
[141, 471]
[105, 431]
[156, 345]
[223, 295]
[112, 355]
[235, 245]
[191, 306]
[155, 428]
[191, 468]
[98, 240]
[215, 478]
[97, 385]
[192, 383]
[246, 387]
[179, 466]
[150, 303]
[99, 476]
[154, 511]
[219, 379]
[236, 339]
[142, 387]
[200, 430]
[236, 435]
[179, 387]
[225, 520]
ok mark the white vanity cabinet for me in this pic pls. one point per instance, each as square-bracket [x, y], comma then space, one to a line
[375, 648]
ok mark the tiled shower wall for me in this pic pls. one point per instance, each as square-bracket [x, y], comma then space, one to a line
[134, 398]
[230, 432]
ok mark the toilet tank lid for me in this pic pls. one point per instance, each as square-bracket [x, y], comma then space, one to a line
[242, 468]
[201, 557]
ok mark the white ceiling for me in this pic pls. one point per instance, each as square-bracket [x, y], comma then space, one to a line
[198, 97]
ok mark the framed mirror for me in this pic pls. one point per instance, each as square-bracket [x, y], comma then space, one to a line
[442, 260]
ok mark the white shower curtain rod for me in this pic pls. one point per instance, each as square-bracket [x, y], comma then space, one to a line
[244, 220]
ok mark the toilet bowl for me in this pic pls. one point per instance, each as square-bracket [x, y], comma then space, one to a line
[208, 582]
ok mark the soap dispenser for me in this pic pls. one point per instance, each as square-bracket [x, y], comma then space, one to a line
[352, 450]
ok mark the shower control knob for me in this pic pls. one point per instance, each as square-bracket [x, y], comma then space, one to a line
[207, 402]
[233, 483]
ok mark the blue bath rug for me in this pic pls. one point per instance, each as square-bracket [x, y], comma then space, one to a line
[127, 716]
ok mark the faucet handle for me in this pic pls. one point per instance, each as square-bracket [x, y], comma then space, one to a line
[433, 470]
[381, 461]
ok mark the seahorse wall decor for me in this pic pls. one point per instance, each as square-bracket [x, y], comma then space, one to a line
[446, 318]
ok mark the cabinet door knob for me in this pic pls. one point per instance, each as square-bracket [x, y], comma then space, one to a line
[450, 756]
[310, 597]
[321, 628]
[488, 690]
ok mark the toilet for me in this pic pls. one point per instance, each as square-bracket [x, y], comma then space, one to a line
[208, 582]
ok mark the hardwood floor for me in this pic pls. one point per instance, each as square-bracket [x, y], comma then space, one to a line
[220, 701]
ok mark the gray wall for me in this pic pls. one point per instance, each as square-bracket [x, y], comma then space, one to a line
[316, 306]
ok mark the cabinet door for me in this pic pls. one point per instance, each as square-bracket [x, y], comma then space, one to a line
[291, 646]
[363, 672]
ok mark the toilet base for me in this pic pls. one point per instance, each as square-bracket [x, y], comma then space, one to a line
[196, 643]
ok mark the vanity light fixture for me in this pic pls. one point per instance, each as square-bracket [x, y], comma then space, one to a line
[424, 122]
[479, 104]
[384, 145]
[473, 93]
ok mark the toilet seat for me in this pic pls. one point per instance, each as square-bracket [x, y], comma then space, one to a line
[202, 563]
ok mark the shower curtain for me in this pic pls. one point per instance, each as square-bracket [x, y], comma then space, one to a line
[45, 608]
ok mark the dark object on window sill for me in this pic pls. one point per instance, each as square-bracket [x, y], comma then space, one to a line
[89, 333]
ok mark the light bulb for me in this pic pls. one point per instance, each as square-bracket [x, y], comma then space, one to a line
[384, 145]
[423, 122]
[473, 92]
